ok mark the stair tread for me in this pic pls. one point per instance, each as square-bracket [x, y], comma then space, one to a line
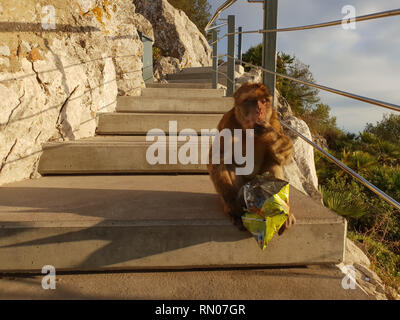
[128, 222]
[178, 98]
[105, 139]
[180, 198]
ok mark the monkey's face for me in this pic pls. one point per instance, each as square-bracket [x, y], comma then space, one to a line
[252, 112]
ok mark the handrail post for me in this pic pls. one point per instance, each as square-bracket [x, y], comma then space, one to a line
[239, 55]
[230, 81]
[215, 59]
[269, 44]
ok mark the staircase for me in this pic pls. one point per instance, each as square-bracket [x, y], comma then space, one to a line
[102, 206]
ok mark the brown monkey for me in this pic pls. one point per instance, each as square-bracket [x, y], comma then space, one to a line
[272, 148]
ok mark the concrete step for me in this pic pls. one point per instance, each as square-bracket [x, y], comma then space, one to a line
[109, 154]
[182, 93]
[221, 68]
[140, 123]
[148, 222]
[187, 85]
[197, 70]
[189, 76]
[300, 283]
[221, 80]
[206, 81]
[173, 105]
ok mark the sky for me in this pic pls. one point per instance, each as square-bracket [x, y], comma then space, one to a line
[364, 61]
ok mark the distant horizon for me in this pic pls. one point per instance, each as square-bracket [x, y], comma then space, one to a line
[363, 61]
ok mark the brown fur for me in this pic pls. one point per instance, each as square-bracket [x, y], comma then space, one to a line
[272, 149]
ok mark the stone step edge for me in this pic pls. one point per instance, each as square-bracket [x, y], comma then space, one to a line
[140, 223]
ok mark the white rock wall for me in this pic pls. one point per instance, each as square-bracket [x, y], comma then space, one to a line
[54, 82]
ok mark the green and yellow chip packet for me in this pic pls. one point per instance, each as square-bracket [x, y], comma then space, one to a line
[267, 202]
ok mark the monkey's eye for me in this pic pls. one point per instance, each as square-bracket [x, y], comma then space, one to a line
[264, 101]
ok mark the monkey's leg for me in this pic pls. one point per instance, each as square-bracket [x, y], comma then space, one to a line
[277, 171]
[272, 166]
[222, 179]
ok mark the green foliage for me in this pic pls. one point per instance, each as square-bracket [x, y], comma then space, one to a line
[198, 11]
[344, 203]
[157, 53]
[388, 129]
[253, 56]
[300, 96]
[377, 161]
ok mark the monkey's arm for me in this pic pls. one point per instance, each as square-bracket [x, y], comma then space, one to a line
[224, 180]
[279, 145]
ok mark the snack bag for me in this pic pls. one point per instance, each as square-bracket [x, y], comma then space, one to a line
[267, 203]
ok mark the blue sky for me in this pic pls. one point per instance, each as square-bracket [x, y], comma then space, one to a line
[364, 61]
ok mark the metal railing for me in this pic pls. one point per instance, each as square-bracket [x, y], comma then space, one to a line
[231, 83]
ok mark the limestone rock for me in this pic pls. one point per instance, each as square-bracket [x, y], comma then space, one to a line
[164, 66]
[357, 264]
[252, 76]
[175, 34]
[354, 254]
[320, 141]
[303, 156]
[53, 84]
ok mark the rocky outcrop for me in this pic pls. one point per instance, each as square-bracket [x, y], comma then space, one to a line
[164, 66]
[357, 266]
[175, 34]
[60, 64]
[253, 75]
[301, 172]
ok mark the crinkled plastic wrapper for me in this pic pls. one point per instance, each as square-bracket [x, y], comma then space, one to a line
[267, 203]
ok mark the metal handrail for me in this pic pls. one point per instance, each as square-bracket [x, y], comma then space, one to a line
[339, 92]
[226, 5]
[218, 26]
[382, 14]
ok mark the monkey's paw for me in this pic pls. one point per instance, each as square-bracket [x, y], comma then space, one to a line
[290, 221]
[262, 128]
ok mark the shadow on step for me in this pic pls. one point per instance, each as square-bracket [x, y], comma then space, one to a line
[102, 227]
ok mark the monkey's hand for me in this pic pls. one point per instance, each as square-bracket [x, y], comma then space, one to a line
[262, 128]
[290, 221]
[235, 212]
